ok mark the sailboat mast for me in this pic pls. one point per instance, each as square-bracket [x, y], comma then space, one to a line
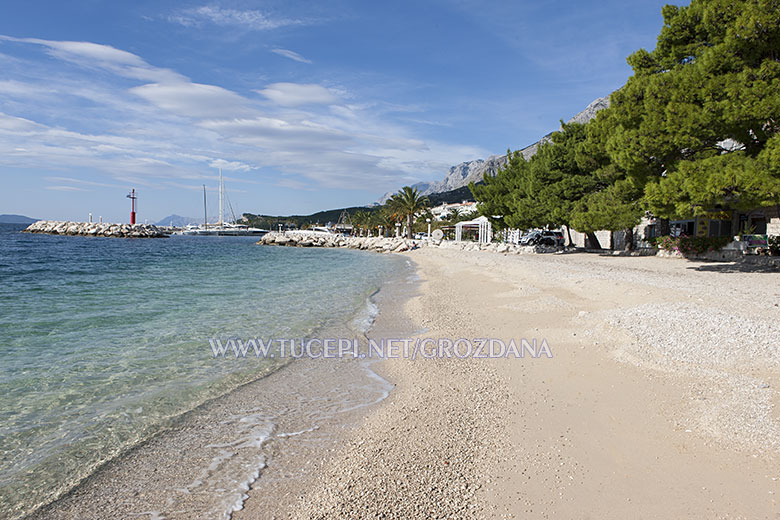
[221, 195]
[205, 216]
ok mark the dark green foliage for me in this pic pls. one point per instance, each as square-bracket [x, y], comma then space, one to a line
[694, 131]
[300, 221]
[406, 203]
[694, 123]
[689, 246]
[453, 196]
[495, 194]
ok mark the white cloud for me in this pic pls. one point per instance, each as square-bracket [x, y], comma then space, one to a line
[193, 99]
[294, 184]
[17, 124]
[235, 166]
[153, 126]
[297, 94]
[291, 55]
[94, 55]
[249, 19]
[21, 89]
[64, 188]
[82, 182]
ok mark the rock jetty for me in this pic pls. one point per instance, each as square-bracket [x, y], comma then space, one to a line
[58, 227]
[389, 245]
[320, 239]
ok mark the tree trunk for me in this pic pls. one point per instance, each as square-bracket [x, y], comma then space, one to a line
[629, 241]
[568, 233]
[409, 226]
[592, 241]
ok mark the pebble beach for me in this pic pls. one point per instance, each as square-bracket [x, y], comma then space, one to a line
[659, 401]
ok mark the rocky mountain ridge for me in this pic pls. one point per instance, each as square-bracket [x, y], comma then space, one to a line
[474, 171]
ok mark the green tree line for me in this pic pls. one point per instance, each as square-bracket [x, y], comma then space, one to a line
[693, 132]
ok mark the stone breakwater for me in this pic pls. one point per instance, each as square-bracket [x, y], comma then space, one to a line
[389, 245]
[320, 239]
[55, 227]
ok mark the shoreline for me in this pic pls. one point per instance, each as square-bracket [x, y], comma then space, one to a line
[614, 420]
[602, 429]
[233, 436]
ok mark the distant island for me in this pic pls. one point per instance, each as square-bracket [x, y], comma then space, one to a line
[179, 221]
[16, 219]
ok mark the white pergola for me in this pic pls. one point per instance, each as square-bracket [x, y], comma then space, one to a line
[481, 224]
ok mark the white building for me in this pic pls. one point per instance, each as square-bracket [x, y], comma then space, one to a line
[443, 211]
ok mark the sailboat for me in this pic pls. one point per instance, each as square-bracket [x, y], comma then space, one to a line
[222, 228]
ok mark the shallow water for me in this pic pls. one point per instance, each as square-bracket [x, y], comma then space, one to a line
[105, 341]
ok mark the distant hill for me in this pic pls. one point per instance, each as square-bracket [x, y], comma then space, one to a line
[331, 216]
[16, 219]
[178, 221]
[321, 217]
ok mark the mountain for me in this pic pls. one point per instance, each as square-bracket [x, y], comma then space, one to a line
[473, 171]
[16, 219]
[178, 221]
[457, 195]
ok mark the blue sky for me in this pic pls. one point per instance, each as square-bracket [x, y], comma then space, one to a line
[304, 105]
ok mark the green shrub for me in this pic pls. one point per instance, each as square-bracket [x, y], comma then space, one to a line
[688, 246]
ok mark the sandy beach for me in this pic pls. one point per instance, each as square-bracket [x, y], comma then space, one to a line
[659, 401]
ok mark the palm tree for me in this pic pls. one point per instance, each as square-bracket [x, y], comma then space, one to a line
[386, 218]
[406, 203]
[375, 220]
[360, 221]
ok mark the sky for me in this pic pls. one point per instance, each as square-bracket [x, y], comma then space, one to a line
[305, 106]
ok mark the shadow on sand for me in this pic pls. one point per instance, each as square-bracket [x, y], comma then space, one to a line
[736, 267]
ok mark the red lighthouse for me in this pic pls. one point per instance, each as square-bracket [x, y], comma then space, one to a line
[132, 196]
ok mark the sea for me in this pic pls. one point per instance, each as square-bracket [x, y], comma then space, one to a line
[104, 342]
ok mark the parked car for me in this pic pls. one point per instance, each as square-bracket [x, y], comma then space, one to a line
[545, 238]
[421, 236]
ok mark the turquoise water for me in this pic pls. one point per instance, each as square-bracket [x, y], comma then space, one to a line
[103, 341]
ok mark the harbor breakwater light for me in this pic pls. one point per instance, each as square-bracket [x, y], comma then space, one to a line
[58, 227]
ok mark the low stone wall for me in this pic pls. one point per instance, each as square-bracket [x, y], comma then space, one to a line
[55, 227]
[762, 260]
[725, 255]
[497, 247]
[639, 251]
[722, 255]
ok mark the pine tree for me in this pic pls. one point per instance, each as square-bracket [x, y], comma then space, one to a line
[697, 123]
